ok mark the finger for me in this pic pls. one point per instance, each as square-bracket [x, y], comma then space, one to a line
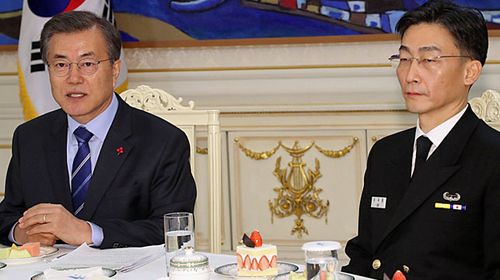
[38, 209]
[44, 235]
[47, 241]
[33, 221]
[39, 229]
[44, 238]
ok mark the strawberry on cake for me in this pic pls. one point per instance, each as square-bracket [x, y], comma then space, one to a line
[255, 258]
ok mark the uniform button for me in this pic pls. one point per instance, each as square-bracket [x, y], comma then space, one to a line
[406, 268]
[376, 264]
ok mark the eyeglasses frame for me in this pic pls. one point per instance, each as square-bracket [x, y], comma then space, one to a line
[70, 63]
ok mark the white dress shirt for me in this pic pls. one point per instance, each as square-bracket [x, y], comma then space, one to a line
[436, 135]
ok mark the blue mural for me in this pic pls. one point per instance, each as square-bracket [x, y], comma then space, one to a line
[237, 19]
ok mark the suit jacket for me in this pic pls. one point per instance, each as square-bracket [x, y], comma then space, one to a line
[432, 243]
[129, 192]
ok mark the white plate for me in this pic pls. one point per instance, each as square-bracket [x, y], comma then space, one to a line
[45, 251]
[343, 276]
[107, 272]
[231, 270]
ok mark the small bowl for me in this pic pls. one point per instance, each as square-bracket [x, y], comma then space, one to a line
[189, 265]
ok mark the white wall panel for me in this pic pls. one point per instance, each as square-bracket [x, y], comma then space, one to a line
[326, 92]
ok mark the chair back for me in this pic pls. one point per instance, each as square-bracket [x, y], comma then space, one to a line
[487, 107]
[164, 105]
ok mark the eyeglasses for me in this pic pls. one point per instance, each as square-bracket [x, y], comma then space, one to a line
[428, 63]
[86, 66]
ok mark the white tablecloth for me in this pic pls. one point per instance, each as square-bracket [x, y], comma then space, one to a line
[155, 270]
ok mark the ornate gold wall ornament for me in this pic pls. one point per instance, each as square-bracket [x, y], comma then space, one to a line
[202, 151]
[297, 194]
[338, 153]
[257, 155]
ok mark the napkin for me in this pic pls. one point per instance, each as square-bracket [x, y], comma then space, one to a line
[90, 273]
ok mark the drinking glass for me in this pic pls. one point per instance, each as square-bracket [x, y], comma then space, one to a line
[179, 233]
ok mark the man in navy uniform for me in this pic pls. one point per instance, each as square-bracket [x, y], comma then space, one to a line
[431, 197]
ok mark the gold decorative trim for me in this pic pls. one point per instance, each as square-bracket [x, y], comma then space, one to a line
[203, 151]
[296, 150]
[257, 155]
[374, 139]
[5, 146]
[265, 41]
[11, 14]
[298, 195]
[260, 68]
[253, 68]
[8, 48]
[338, 153]
[295, 112]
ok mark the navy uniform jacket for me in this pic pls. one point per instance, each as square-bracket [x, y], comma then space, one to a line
[433, 243]
[129, 191]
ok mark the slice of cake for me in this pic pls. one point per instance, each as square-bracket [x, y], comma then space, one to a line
[255, 258]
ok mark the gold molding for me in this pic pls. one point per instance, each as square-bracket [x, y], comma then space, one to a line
[259, 68]
[11, 14]
[8, 73]
[253, 68]
[297, 194]
[257, 155]
[5, 146]
[287, 67]
[202, 151]
[266, 41]
[338, 153]
[315, 112]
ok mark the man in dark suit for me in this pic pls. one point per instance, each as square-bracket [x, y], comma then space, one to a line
[431, 199]
[96, 170]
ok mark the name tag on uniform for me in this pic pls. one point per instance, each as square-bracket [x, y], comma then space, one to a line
[379, 202]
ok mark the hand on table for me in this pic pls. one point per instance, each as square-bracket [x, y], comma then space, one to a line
[47, 239]
[48, 222]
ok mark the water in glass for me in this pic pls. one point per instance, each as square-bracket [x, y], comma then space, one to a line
[177, 239]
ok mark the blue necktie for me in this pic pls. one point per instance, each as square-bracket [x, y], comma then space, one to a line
[81, 170]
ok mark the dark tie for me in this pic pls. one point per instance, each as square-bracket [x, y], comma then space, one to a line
[81, 170]
[423, 147]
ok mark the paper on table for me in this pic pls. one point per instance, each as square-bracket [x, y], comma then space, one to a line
[86, 273]
[110, 258]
